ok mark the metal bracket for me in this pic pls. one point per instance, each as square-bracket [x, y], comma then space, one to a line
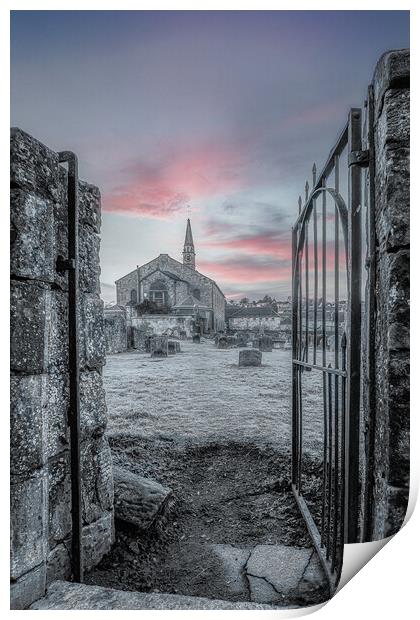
[359, 158]
[65, 264]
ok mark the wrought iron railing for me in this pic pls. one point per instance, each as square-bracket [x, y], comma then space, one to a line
[326, 251]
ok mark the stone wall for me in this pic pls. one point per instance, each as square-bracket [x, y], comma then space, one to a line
[40, 457]
[115, 330]
[159, 323]
[255, 323]
[390, 475]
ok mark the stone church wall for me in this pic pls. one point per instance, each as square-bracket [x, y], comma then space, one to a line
[40, 457]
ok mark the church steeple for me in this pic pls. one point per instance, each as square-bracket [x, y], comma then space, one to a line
[188, 253]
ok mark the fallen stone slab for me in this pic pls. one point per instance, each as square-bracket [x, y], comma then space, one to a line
[250, 357]
[138, 501]
[279, 574]
[67, 595]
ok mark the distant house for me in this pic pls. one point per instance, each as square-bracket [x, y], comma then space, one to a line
[252, 318]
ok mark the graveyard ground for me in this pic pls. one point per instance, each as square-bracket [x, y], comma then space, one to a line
[219, 437]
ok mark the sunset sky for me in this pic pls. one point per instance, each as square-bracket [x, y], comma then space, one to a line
[222, 111]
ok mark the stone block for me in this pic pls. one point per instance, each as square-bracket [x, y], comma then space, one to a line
[93, 413]
[97, 540]
[28, 424]
[250, 357]
[59, 562]
[89, 268]
[29, 313]
[56, 407]
[28, 588]
[32, 253]
[28, 524]
[91, 331]
[97, 479]
[392, 191]
[393, 124]
[196, 338]
[392, 71]
[59, 492]
[138, 501]
[90, 205]
[33, 166]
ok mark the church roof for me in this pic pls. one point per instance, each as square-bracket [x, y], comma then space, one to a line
[190, 302]
[188, 234]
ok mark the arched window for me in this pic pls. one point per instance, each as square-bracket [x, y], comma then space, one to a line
[133, 296]
[196, 293]
[158, 293]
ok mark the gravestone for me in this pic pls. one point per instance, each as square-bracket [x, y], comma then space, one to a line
[196, 338]
[250, 357]
[159, 346]
[222, 342]
[183, 334]
[242, 339]
[265, 344]
[172, 347]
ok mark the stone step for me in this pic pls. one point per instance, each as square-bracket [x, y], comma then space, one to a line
[65, 595]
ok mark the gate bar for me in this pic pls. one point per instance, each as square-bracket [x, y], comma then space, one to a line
[72, 266]
[351, 512]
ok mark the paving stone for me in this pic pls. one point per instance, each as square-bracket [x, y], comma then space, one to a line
[66, 595]
[275, 573]
[234, 560]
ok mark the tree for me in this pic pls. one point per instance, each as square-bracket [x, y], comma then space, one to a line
[244, 301]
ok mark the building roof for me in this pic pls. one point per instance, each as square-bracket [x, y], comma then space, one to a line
[250, 312]
[191, 302]
[188, 235]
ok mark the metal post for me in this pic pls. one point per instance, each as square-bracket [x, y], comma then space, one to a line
[351, 512]
[72, 266]
[294, 355]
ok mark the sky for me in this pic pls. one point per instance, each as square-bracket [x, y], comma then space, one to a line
[215, 115]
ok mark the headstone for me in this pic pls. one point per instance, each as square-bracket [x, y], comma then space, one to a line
[138, 501]
[242, 339]
[196, 338]
[183, 334]
[222, 342]
[250, 357]
[265, 344]
[172, 347]
[159, 346]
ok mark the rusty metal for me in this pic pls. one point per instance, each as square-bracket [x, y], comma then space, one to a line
[71, 264]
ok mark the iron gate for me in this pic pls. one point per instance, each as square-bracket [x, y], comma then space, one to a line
[326, 331]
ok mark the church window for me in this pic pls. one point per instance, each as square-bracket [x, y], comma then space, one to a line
[196, 293]
[158, 293]
[133, 296]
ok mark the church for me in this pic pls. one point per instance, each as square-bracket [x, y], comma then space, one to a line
[177, 286]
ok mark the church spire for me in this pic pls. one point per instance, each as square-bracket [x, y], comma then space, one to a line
[188, 253]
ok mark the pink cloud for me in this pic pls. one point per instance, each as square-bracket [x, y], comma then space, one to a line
[241, 271]
[162, 189]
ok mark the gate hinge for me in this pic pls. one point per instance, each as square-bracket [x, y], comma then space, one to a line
[65, 264]
[359, 158]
